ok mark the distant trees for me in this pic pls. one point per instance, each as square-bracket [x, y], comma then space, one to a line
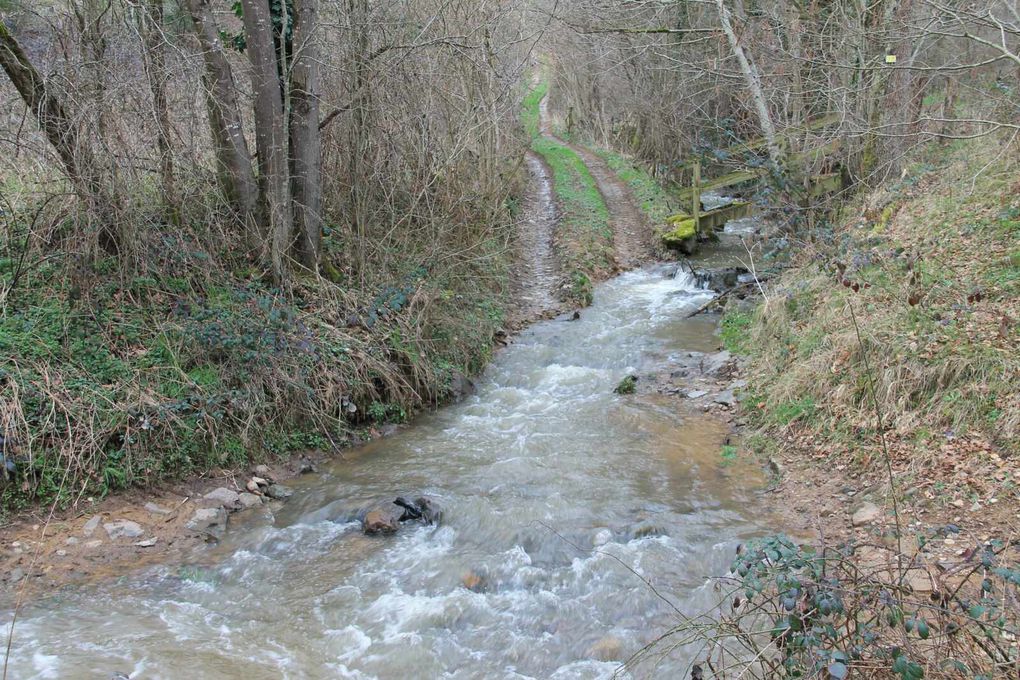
[312, 117]
[670, 81]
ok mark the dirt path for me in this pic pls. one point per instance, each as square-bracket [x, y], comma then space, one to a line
[632, 235]
[537, 271]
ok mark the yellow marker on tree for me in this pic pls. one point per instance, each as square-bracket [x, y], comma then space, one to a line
[890, 58]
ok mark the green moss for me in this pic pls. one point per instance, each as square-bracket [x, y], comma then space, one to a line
[683, 230]
[627, 386]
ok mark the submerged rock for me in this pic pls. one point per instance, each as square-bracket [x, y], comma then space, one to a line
[382, 519]
[608, 648]
[279, 492]
[473, 581]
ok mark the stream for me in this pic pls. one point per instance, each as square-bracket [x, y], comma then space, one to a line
[554, 489]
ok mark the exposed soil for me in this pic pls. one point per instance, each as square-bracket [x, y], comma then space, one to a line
[43, 552]
[632, 235]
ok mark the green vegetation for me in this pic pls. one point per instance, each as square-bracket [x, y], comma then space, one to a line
[584, 238]
[627, 386]
[110, 381]
[655, 201]
[531, 108]
[734, 329]
[931, 277]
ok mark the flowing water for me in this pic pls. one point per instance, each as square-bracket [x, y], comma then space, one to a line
[556, 492]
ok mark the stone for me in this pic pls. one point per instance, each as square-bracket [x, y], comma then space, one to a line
[460, 386]
[92, 545]
[262, 471]
[696, 394]
[306, 466]
[249, 500]
[155, 509]
[382, 519]
[224, 497]
[212, 521]
[147, 543]
[737, 385]
[71, 541]
[714, 364]
[423, 509]
[776, 468]
[123, 528]
[91, 525]
[473, 581]
[61, 553]
[726, 398]
[16, 575]
[608, 648]
[253, 487]
[919, 581]
[279, 492]
[866, 513]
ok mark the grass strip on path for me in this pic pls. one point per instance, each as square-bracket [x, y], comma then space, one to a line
[584, 237]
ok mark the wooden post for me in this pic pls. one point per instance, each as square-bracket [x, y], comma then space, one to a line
[696, 196]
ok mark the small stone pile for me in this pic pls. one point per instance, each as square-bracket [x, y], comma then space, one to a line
[212, 520]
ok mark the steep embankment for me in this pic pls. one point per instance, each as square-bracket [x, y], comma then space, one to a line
[898, 331]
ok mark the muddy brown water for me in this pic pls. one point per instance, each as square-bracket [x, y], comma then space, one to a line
[557, 492]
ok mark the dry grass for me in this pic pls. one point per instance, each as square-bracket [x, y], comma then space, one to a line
[930, 267]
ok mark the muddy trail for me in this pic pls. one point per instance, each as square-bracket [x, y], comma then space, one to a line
[632, 234]
[537, 273]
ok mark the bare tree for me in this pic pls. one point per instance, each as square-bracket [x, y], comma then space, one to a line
[233, 160]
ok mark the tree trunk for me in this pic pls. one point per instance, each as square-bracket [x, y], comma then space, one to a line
[305, 146]
[158, 74]
[270, 133]
[233, 159]
[80, 164]
[753, 81]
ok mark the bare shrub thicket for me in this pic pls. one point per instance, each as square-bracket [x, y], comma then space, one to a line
[232, 227]
[810, 88]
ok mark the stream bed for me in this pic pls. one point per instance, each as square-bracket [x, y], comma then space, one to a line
[557, 493]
